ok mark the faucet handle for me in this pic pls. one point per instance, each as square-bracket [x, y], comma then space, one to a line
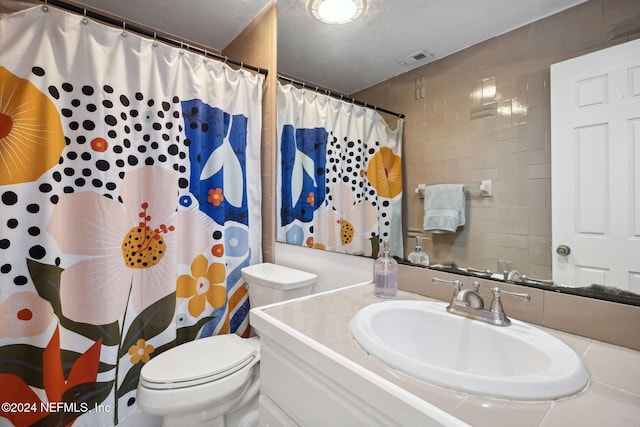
[500, 318]
[457, 284]
[497, 292]
[476, 286]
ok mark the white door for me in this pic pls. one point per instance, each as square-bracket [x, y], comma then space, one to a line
[595, 168]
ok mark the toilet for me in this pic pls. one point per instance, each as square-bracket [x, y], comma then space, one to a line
[214, 381]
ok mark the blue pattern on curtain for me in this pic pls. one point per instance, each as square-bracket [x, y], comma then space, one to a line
[224, 140]
[295, 142]
[130, 198]
[339, 175]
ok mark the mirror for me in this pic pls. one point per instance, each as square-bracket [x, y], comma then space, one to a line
[479, 113]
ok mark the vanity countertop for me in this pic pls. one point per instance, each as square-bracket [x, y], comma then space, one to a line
[612, 397]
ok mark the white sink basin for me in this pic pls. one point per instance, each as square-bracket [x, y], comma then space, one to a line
[421, 339]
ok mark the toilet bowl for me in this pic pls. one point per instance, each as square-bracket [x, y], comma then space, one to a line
[214, 381]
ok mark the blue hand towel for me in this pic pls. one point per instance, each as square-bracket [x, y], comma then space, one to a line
[443, 208]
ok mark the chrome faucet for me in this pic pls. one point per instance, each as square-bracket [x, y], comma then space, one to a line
[469, 303]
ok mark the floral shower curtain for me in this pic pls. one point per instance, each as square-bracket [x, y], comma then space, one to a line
[339, 175]
[126, 211]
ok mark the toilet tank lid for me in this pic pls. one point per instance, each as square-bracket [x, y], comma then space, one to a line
[277, 276]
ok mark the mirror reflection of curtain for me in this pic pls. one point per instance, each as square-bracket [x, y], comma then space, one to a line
[339, 175]
[129, 206]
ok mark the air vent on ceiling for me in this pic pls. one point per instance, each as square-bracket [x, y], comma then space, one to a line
[414, 58]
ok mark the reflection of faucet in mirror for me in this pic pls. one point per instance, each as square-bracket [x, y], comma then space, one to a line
[516, 277]
[480, 272]
[513, 275]
[525, 278]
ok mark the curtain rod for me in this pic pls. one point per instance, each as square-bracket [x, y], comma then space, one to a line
[338, 96]
[128, 26]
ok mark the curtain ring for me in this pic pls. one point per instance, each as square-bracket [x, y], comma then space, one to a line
[181, 48]
[226, 58]
[155, 41]
[45, 6]
[84, 20]
[241, 65]
[124, 29]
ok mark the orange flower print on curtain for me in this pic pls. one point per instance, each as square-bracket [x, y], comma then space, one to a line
[30, 128]
[385, 173]
[205, 284]
[140, 352]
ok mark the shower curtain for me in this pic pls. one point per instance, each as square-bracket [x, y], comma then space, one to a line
[339, 175]
[130, 200]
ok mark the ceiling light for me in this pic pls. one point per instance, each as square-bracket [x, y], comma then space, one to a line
[337, 11]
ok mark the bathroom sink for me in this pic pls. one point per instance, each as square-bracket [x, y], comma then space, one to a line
[421, 339]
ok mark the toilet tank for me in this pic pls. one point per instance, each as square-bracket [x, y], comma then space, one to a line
[269, 283]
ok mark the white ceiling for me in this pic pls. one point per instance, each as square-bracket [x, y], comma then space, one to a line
[358, 55]
[345, 58]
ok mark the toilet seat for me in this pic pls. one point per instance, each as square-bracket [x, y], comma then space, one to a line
[198, 362]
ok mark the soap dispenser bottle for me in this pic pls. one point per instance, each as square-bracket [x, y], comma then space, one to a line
[418, 256]
[385, 274]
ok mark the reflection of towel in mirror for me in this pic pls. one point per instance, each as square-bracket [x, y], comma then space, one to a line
[443, 208]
